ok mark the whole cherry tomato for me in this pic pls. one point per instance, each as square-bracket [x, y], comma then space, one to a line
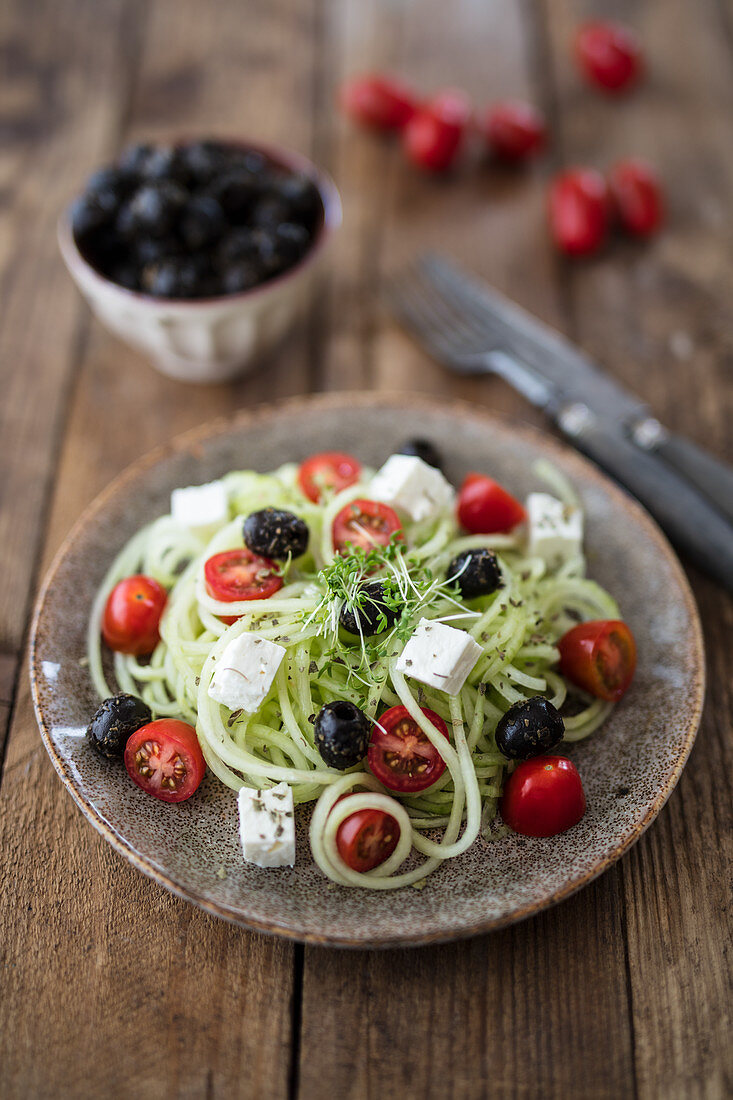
[637, 197]
[609, 55]
[329, 471]
[600, 657]
[165, 759]
[132, 615]
[543, 797]
[367, 838]
[401, 756]
[578, 211]
[434, 136]
[378, 101]
[485, 508]
[514, 130]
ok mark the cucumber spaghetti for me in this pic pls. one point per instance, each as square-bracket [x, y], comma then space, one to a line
[517, 627]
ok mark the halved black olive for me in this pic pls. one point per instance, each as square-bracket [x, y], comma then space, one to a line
[372, 616]
[115, 722]
[342, 734]
[477, 573]
[275, 534]
[529, 729]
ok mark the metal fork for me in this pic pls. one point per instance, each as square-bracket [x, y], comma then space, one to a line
[455, 331]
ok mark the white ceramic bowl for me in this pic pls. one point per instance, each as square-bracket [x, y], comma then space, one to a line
[209, 339]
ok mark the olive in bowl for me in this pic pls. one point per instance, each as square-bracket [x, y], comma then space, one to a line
[200, 253]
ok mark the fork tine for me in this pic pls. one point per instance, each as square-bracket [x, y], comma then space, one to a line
[433, 318]
[413, 311]
[461, 293]
[450, 313]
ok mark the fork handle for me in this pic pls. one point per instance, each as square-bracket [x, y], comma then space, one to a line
[697, 528]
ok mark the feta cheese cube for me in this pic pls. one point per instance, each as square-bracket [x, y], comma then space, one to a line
[409, 484]
[439, 656]
[554, 529]
[245, 672]
[200, 506]
[267, 826]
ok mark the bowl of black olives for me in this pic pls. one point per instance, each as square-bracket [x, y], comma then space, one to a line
[200, 253]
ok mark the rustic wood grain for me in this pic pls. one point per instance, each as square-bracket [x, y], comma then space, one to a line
[473, 1006]
[178, 1004]
[660, 318]
[110, 986]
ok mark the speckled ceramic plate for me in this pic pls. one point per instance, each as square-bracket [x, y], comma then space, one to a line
[629, 768]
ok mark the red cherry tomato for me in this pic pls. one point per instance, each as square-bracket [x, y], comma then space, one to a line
[434, 135]
[637, 197]
[609, 55]
[578, 211]
[330, 470]
[543, 797]
[514, 130]
[367, 838]
[132, 615]
[363, 524]
[485, 508]
[378, 101]
[599, 657]
[401, 756]
[240, 575]
[165, 759]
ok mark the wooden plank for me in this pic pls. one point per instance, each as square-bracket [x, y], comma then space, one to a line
[54, 132]
[659, 315]
[140, 994]
[481, 1018]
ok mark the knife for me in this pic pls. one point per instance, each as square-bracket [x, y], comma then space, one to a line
[471, 328]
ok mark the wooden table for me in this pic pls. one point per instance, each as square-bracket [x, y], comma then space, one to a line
[108, 985]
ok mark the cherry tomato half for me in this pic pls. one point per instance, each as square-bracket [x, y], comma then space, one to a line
[240, 575]
[132, 615]
[609, 55]
[434, 135]
[637, 197]
[378, 101]
[367, 838]
[330, 470]
[485, 508]
[400, 755]
[578, 211]
[600, 657]
[514, 130]
[543, 797]
[364, 524]
[165, 759]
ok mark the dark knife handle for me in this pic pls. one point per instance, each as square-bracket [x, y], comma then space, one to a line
[690, 521]
[711, 476]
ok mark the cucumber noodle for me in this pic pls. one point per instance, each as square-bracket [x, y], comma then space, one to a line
[517, 626]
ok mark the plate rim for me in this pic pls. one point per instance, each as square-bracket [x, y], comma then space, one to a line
[367, 399]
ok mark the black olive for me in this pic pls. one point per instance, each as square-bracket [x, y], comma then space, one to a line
[239, 245]
[126, 275]
[174, 277]
[133, 158]
[270, 212]
[275, 534]
[202, 222]
[115, 721]
[422, 448]
[372, 614]
[155, 208]
[109, 187]
[87, 216]
[291, 241]
[235, 191]
[168, 163]
[342, 734]
[301, 195]
[529, 729]
[477, 573]
[240, 277]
